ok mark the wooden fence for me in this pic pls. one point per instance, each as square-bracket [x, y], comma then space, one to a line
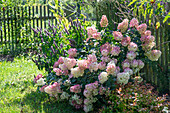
[16, 34]
[16, 24]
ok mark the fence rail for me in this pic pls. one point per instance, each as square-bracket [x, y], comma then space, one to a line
[15, 34]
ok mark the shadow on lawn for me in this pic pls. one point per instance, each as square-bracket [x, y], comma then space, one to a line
[40, 102]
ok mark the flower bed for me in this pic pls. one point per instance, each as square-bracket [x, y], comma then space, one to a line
[90, 72]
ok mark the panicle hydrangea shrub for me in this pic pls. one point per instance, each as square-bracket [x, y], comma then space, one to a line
[84, 79]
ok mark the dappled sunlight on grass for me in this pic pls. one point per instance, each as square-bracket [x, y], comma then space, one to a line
[18, 93]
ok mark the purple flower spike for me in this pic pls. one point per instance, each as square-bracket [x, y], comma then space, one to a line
[84, 30]
[55, 44]
[66, 30]
[54, 32]
[42, 40]
[64, 52]
[61, 45]
[44, 56]
[84, 20]
[59, 21]
[60, 35]
[69, 27]
[71, 21]
[78, 20]
[47, 35]
[52, 49]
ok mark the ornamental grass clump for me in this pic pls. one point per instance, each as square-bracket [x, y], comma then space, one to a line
[109, 58]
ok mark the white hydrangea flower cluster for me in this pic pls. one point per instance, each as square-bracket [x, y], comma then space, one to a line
[103, 77]
[123, 77]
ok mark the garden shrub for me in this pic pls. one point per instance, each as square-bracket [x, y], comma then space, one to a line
[93, 69]
[51, 45]
[56, 40]
[134, 98]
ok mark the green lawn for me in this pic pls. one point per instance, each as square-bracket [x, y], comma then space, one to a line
[18, 94]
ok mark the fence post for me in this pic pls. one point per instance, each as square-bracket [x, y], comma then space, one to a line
[8, 27]
[33, 17]
[1, 28]
[41, 16]
[45, 16]
[4, 8]
[29, 18]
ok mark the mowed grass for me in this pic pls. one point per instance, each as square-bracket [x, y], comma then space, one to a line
[18, 93]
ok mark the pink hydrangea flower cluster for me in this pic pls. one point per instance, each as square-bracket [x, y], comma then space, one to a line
[102, 65]
[117, 35]
[97, 36]
[93, 66]
[115, 51]
[92, 58]
[126, 63]
[77, 72]
[106, 47]
[53, 90]
[42, 88]
[58, 71]
[37, 78]
[126, 41]
[90, 91]
[132, 46]
[142, 28]
[72, 53]
[63, 65]
[111, 68]
[134, 23]
[123, 26]
[92, 62]
[92, 33]
[131, 55]
[82, 64]
[105, 50]
[148, 41]
[75, 88]
[104, 21]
